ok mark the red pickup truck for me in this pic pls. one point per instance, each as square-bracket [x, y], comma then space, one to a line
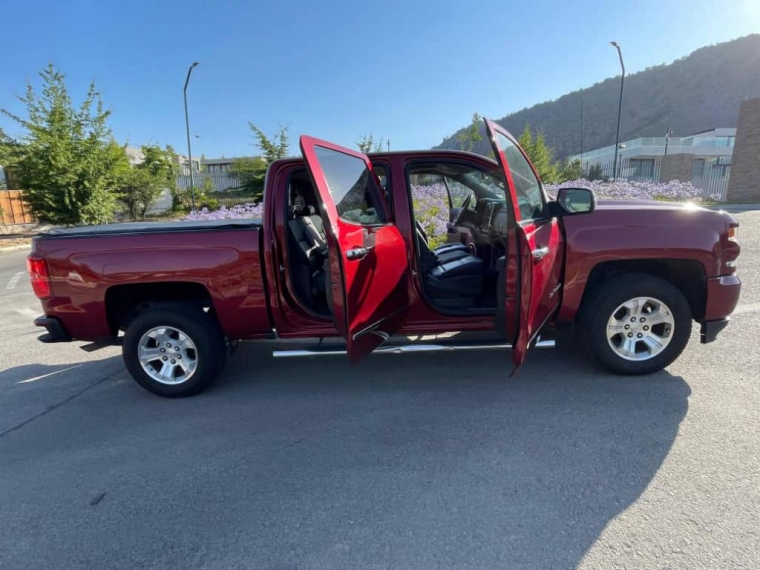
[340, 253]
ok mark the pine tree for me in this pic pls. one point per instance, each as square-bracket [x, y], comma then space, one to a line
[540, 154]
[66, 161]
[274, 148]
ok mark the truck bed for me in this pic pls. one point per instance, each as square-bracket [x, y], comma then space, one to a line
[100, 273]
[132, 228]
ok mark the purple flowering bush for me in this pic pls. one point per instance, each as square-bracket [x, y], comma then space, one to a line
[625, 190]
[239, 212]
[431, 209]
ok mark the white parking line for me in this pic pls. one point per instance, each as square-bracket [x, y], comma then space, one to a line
[28, 312]
[748, 308]
[14, 280]
[48, 374]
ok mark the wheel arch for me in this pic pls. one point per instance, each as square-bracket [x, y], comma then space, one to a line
[124, 302]
[687, 275]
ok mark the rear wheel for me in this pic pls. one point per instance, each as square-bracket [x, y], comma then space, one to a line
[637, 324]
[174, 350]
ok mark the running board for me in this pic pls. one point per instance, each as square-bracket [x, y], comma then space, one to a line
[407, 348]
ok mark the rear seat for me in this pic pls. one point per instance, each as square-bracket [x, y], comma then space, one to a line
[308, 250]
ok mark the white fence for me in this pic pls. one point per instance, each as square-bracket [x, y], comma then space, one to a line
[221, 180]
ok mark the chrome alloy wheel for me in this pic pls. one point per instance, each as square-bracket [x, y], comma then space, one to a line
[167, 355]
[640, 329]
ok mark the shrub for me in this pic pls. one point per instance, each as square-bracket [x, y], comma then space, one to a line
[431, 209]
[625, 190]
[242, 212]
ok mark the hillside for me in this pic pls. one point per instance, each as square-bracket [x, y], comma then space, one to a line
[696, 93]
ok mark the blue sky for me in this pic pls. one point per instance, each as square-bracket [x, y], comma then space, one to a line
[411, 71]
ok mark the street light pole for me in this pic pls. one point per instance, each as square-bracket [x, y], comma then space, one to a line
[187, 126]
[667, 138]
[620, 109]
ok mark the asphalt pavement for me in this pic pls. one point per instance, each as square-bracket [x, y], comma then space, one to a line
[403, 461]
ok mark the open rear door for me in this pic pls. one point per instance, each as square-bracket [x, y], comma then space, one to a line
[540, 247]
[368, 264]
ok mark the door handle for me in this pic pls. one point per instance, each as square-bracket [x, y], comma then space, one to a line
[540, 252]
[357, 253]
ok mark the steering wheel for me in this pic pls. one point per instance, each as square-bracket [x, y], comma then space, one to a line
[462, 210]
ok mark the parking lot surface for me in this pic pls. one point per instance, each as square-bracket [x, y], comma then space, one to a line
[403, 461]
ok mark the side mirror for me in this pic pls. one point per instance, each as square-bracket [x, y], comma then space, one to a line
[576, 200]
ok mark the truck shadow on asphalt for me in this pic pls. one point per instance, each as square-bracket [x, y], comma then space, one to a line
[445, 450]
[434, 460]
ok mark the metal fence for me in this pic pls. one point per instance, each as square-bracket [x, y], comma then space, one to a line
[712, 178]
[632, 169]
[710, 175]
[221, 181]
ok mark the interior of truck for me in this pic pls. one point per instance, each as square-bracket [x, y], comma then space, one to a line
[307, 245]
[461, 219]
[461, 225]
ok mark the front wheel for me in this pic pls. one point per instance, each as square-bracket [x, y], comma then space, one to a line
[174, 350]
[637, 324]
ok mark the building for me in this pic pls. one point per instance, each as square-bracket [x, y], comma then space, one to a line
[707, 145]
[223, 165]
[704, 159]
[136, 156]
[744, 185]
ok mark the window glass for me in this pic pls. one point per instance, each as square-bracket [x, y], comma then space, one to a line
[352, 187]
[527, 187]
[438, 198]
[459, 193]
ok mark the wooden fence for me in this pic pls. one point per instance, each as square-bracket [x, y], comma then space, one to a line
[12, 208]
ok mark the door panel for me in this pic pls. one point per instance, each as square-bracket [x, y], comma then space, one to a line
[540, 281]
[540, 247]
[367, 266]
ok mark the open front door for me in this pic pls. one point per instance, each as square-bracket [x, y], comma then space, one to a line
[540, 248]
[368, 266]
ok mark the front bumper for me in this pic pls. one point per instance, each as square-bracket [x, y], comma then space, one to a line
[710, 330]
[722, 297]
[55, 330]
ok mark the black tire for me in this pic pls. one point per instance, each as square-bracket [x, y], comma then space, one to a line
[611, 294]
[200, 327]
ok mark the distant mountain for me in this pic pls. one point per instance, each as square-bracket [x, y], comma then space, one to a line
[696, 93]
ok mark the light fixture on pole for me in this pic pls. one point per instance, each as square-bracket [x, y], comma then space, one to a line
[187, 127]
[620, 108]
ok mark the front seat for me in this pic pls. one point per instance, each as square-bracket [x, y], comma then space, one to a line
[450, 275]
[443, 253]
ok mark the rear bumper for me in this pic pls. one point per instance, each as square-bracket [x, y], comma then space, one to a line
[55, 330]
[710, 330]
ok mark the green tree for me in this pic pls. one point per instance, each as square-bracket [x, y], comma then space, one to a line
[540, 154]
[569, 170]
[65, 161]
[141, 185]
[252, 172]
[595, 172]
[161, 163]
[470, 135]
[139, 189]
[274, 148]
[367, 144]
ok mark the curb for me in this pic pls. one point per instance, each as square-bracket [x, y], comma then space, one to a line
[14, 248]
